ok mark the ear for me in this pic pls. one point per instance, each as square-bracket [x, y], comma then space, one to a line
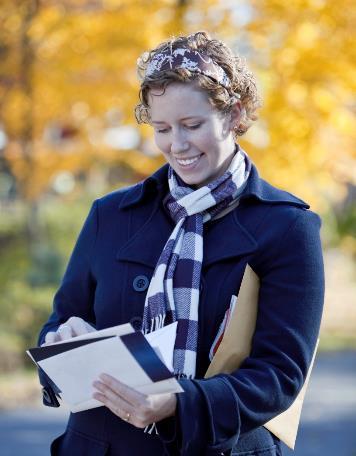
[235, 115]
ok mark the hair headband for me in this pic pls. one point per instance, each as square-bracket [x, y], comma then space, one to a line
[189, 59]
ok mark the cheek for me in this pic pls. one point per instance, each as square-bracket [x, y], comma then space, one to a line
[206, 141]
[162, 142]
[212, 133]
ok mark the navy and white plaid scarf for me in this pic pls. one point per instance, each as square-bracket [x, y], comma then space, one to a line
[173, 293]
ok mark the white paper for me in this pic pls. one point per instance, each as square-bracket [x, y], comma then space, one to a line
[164, 339]
[74, 370]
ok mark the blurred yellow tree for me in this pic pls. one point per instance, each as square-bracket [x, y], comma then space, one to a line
[67, 75]
[68, 72]
[305, 51]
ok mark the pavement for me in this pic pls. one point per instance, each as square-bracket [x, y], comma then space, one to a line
[328, 423]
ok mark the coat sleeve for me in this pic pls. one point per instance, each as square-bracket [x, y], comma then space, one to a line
[213, 412]
[75, 295]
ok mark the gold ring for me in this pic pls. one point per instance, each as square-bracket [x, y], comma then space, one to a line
[127, 418]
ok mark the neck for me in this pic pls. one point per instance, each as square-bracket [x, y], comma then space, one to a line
[223, 167]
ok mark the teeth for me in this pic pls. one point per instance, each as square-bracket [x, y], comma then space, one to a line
[189, 161]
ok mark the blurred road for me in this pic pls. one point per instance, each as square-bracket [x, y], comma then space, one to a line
[328, 425]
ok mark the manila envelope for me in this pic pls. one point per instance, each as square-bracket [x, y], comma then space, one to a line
[236, 346]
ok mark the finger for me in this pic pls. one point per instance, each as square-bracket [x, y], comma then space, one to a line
[113, 397]
[89, 327]
[117, 409]
[138, 416]
[117, 405]
[132, 396]
[50, 338]
[78, 325]
[120, 411]
[64, 332]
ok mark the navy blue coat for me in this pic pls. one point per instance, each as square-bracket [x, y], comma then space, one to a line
[121, 240]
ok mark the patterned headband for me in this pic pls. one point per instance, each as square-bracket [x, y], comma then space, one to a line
[189, 59]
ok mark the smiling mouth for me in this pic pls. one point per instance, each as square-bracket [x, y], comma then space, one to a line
[188, 161]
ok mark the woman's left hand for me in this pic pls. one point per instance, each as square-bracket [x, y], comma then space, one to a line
[136, 408]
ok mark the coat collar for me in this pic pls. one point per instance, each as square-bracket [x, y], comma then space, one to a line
[256, 188]
[237, 240]
[158, 181]
[155, 231]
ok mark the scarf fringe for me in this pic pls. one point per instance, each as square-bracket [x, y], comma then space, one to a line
[156, 323]
[179, 375]
[150, 428]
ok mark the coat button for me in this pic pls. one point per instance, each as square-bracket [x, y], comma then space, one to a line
[136, 323]
[140, 283]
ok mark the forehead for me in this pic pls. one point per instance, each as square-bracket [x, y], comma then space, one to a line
[179, 100]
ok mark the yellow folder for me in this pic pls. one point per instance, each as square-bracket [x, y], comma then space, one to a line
[236, 346]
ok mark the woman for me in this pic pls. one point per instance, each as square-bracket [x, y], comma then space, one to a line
[175, 246]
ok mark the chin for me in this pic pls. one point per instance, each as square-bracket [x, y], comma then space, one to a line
[191, 180]
[196, 183]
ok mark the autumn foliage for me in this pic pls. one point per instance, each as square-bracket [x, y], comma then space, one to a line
[68, 78]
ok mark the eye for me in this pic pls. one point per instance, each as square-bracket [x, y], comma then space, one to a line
[162, 130]
[194, 127]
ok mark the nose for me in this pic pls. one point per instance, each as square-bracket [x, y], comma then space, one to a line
[179, 142]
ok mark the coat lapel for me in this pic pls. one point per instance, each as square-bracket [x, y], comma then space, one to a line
[145, 245]
[259, 189]
[224, 239]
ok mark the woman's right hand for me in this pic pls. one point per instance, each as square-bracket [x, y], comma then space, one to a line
[74, 326]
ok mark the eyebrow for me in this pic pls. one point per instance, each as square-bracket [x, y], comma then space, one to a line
[184, 118]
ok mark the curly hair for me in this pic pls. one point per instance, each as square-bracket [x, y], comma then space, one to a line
[243, 82]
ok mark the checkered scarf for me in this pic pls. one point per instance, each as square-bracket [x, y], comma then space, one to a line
[173, 293]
